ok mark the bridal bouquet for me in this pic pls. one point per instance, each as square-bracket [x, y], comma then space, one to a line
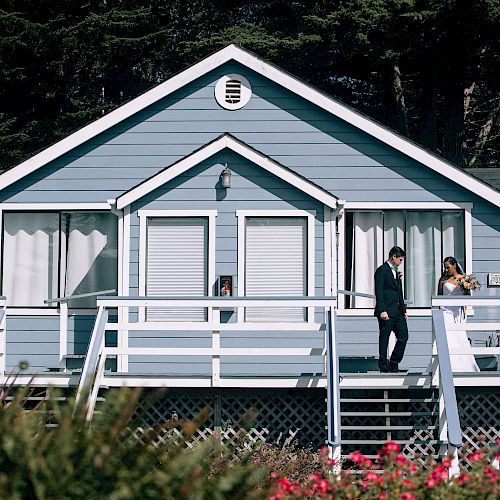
[469, 282]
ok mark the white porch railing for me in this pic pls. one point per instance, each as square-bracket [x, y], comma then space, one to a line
[94, 367]
[442, 374]
[3, 339]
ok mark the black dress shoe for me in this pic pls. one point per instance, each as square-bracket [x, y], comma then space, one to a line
[384, 370]
[393, 369]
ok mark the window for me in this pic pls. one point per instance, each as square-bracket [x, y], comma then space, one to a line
[277, 262]
[426, 236]
[177, 265]
[52, 254]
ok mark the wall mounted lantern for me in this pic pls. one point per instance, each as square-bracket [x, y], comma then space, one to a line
[226, 177]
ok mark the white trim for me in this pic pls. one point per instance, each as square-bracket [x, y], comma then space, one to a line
[177, 213]
[232, 52]
[275, 213]
[223, 142]
[468, 239]
[341, 260]
[63, 330]
[41, 207]
[28, 311]
[143, 215]
[123, 312]
[423, 312]
[406, 205]
[327, 250]
[217, 326]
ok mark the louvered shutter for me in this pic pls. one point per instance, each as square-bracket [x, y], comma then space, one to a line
[275, 265]
[177, 251]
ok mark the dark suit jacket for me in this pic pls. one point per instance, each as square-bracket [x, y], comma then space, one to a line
[388, 292]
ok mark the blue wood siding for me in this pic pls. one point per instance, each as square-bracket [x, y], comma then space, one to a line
[342, 159]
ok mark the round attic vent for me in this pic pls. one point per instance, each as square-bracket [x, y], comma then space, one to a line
[232, 91]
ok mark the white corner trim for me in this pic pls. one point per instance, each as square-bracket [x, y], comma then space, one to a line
[231, 52]
[209, 150]
[408, 205]
[40, 207]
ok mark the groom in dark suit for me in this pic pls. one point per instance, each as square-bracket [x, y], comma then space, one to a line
[390, 310]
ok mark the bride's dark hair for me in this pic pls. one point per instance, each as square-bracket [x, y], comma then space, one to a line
[454, 262]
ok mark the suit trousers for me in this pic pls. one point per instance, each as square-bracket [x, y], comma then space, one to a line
[396, 324]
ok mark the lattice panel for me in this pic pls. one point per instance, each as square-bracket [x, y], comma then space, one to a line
[479, 417]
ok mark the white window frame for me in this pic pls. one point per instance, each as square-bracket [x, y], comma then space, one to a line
[437, 205]
[54, 207]
[144, 215]
[310, 218]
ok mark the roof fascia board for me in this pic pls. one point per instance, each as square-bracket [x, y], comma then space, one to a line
[114, 117]
[372, 128]
[209, 150]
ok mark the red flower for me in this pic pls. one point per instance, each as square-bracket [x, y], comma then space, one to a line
[446, 463]
[407, 496]
[463, 478]
[373, 477]
[413, 467]
[330, 461]
[382, 496]
[401, 459]
[407, 482]
[439, 474]
[391, 447]
[314, 477]
[430, 483]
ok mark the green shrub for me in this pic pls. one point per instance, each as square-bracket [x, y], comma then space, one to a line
[49, 452]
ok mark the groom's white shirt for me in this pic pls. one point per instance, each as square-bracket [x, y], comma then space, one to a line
[392, 269]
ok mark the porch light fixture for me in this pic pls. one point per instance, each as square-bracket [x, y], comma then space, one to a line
[226, 177]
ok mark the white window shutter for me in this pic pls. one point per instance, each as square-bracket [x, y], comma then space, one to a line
[276, 265]
[177, 265]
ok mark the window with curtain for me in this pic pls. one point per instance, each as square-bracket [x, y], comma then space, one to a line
[427, 238]
[53, 254]
[275, 265]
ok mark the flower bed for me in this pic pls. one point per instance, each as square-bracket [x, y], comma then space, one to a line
[393, 476]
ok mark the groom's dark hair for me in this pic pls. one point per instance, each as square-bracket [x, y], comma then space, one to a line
[396, 252]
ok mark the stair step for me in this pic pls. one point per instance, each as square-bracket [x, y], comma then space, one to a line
[388, 427]
[388, 400]
[389, 414]
[383, 441]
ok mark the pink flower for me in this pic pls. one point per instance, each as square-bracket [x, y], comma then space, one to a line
[475, 457]
[463, 478]
[407, 482]
[382, 496]
[413, 467]
[330, 461]
[497, 441]
[401, 459]
[357, 457]
[372, 476]
[439, 474]
[314, 477]
[446, 463]
[274, 475]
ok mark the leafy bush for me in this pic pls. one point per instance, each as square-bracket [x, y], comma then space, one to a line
[49, 452]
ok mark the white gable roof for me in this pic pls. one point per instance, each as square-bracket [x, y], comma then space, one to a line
[229, 142]
[232, 52]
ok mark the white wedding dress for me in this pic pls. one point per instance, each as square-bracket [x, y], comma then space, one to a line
[457, 339]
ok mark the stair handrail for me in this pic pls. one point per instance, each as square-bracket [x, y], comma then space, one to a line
[94, 352]
[3, 338]
[446, 382]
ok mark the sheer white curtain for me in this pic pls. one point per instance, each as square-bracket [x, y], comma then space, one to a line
[423, 256]
[367, 255]
[91, 255]
[454, 237]
[30, 258]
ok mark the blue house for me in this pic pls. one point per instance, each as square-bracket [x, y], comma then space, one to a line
[209, 224]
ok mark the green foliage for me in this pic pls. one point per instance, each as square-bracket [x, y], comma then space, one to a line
[49, 452]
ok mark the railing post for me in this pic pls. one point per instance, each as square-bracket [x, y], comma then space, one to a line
[333, 388]
[63, 330]
[449, 423]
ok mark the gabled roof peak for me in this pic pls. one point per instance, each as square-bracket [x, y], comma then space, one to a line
[227, 141]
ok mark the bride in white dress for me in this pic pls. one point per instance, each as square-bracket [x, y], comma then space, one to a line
[456, 315]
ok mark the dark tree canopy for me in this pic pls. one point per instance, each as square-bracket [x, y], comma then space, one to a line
[426, 68]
